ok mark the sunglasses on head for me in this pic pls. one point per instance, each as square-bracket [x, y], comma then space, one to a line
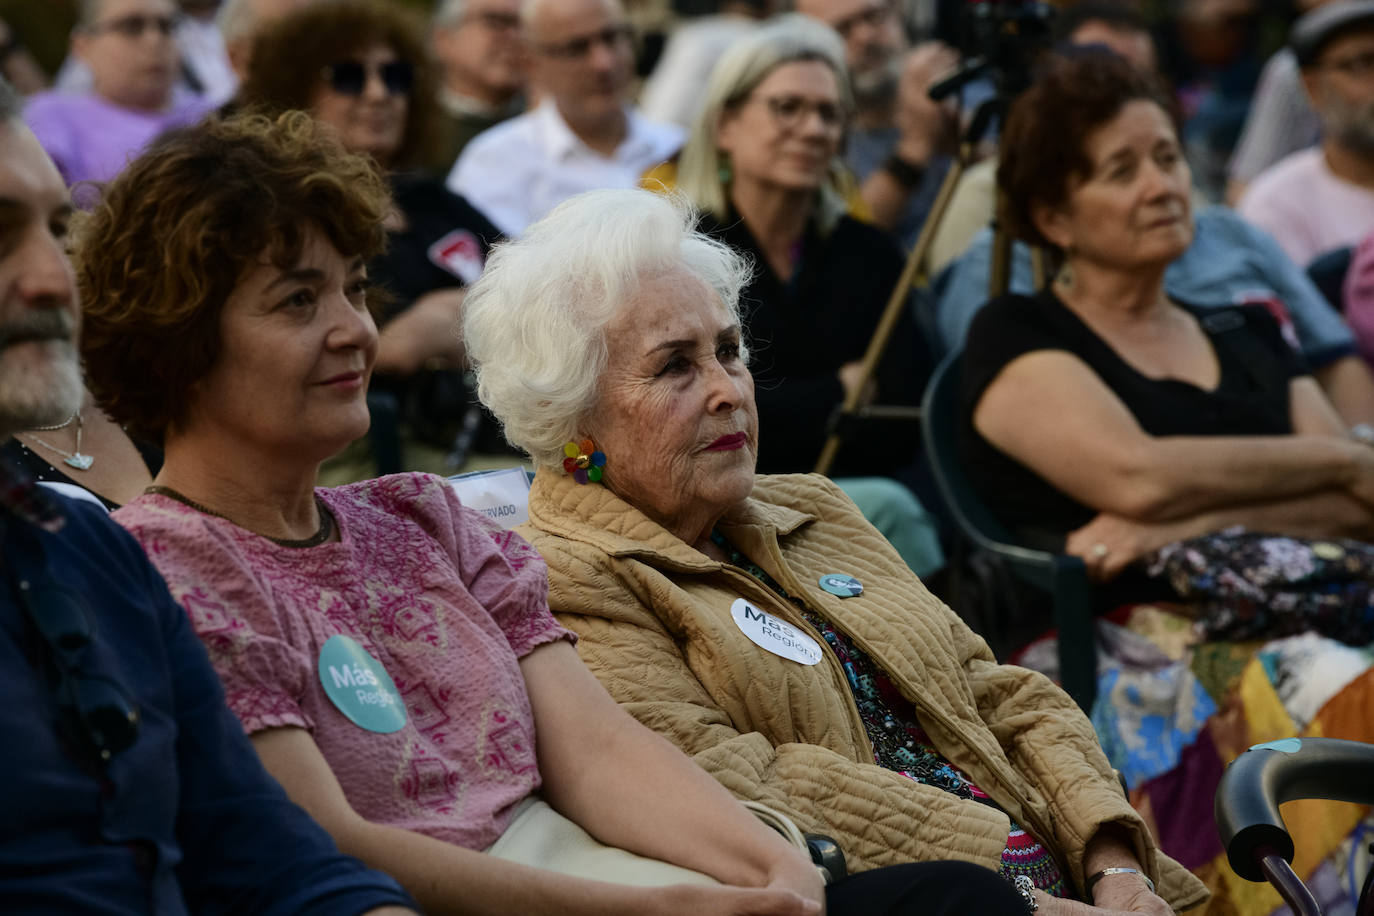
[95, 711]
[349, 77]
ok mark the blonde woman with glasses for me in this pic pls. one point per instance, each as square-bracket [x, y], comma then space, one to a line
[763, 166]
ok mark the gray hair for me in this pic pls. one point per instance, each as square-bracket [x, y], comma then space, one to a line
[236, 20]
[87, 12]
[788, 39]
[535, 322]
[449, 13]
[529, 10]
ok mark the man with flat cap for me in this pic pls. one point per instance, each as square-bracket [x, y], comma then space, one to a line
[1322, 199]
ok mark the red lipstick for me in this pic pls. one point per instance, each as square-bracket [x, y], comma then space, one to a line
[728, 443]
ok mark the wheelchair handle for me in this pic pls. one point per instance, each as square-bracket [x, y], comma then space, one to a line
[1286, 881]
[1266, 776]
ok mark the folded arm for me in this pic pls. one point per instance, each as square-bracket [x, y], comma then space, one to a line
[1096, 452]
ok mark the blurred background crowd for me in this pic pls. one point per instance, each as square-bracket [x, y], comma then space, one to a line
[1197, 179]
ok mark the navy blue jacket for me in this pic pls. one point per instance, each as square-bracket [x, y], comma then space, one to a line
[185, 820]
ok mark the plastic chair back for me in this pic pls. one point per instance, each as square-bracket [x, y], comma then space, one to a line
[1063, 577]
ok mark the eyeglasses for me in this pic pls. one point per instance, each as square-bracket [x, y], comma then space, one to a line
[133, 26]
[349, 77]
[791, 111]
[615, 37]
[95, 711]
[875, 15]
[1357, 65]
[493, 21]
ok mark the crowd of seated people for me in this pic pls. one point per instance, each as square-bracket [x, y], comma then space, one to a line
[390, 653]
[304, 232]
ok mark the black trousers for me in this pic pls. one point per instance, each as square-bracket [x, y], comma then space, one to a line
[925, 889]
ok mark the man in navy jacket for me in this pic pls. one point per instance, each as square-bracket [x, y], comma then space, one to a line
[127, 787]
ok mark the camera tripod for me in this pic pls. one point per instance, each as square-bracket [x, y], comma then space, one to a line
[852, 411]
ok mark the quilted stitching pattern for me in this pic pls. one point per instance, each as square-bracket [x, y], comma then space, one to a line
[653, 616]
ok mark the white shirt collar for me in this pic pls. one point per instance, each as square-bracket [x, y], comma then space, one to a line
[560, 143]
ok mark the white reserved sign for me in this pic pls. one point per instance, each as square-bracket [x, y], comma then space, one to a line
[501, 495]
[772, 634]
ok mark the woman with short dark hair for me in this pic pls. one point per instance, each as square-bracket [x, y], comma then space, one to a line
[1103, 417]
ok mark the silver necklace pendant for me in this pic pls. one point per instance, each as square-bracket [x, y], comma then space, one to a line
[79, 461]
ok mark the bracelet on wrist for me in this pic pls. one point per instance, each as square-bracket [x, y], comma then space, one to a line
[1108, 872]
[905, 173]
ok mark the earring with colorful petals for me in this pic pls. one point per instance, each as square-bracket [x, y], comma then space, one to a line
[583, 461]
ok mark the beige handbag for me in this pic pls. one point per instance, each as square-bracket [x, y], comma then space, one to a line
[542, 837]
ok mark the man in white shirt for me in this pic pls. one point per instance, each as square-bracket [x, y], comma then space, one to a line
[583, 136]
[1322, 199]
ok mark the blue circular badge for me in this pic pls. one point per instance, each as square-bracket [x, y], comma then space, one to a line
[842, 585]
[359, 686]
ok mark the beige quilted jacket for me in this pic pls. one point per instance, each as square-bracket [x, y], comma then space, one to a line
[653, 614]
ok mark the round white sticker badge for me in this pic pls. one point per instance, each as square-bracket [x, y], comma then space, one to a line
[359, 686]
[768, 632]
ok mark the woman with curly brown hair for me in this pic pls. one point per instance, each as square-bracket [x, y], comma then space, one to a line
[361, 67]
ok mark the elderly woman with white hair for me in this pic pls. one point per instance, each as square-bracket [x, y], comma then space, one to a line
[763, 165]
[758, 621]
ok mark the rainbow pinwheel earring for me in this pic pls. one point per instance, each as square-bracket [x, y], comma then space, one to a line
[583, 461]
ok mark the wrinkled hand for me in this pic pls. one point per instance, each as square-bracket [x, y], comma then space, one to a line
[1128, 894]
[1125, 541]
[705, 900]
[1139, 901]
[924, 125]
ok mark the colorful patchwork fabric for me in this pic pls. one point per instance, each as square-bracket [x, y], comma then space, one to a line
[1302, 685]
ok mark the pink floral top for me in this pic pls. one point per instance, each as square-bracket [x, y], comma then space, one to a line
[447, 603]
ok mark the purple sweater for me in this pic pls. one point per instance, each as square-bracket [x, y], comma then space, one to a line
[91, 139]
